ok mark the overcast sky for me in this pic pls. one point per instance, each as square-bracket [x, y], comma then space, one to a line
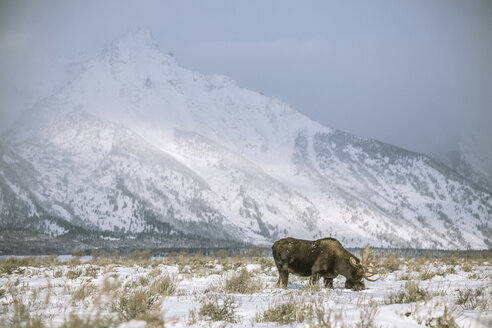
[416, 74]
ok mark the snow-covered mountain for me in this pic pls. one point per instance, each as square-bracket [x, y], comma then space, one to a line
[472, 158]
[137, 146]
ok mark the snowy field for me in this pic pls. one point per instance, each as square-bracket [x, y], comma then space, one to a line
[221, 291]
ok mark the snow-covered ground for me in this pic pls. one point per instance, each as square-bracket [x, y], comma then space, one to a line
[197, 291]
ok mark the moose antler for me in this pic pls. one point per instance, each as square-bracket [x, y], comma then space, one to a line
[369, 269]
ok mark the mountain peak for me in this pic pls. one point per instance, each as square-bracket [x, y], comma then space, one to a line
[141, 37]
[131, 45]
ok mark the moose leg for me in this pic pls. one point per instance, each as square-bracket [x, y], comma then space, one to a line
[314, 279]
[283, 272]
[282, 263]
[318, 270]
[283, 278]
[328, 282]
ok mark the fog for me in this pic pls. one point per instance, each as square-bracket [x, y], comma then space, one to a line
[417, 74]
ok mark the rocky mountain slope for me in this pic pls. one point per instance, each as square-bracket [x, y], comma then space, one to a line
[139, 151]
[472, 158]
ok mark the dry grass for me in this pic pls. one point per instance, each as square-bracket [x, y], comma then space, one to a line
[163, 285]
[75, 321]
[297, 309]
[467, 267]
[110, 285]
[406, 276]
[428, 274]
[451, 270]
[73, 274]
[446, 320]
[411, 292]
[22, 316]
[135, 305]
[389, 263]
[135, 256]
[218, 307]
[473, 299]
[85, 290]
[243, 282]
[17, 265]
[140, 298]
[91, 271]
[135, 286]
[367, 315]
[284, 313]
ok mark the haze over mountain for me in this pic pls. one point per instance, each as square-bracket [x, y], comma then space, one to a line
[137, 150]
[469, 159]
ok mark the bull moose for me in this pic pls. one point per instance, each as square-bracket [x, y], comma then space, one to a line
[325, 258]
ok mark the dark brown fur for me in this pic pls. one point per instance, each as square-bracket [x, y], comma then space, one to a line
[325, 258]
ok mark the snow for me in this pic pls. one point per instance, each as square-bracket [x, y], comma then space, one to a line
[198, 279]
[22, 196]
[54, 230]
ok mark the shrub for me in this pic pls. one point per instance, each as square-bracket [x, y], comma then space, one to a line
[73, 274]
[73, 262]
[324, 319]
[471, 299]
[243, 282]
[467, 267]
[97, 253]
[405, 276]
[22, 316]
[427, 274]
[284, 313]
[155, 272]
[266, 263]
[312, 288]
[218, 308]
[91, 271]
[257, 252]
[390, 263]
[192, 317]
[140, 255]
[12, 265]
[135, 305]
[163, 285]
[293, 311]
[74, 321]
[450, 270]
[83, 292]
[143, 281]
[454, 259]
[445, 321]
[110, 285]
[412, 292]
[78, 253]
[222, 254]
[367, 315]
[153, 319]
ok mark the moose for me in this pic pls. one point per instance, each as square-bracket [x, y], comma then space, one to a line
[325, 258]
